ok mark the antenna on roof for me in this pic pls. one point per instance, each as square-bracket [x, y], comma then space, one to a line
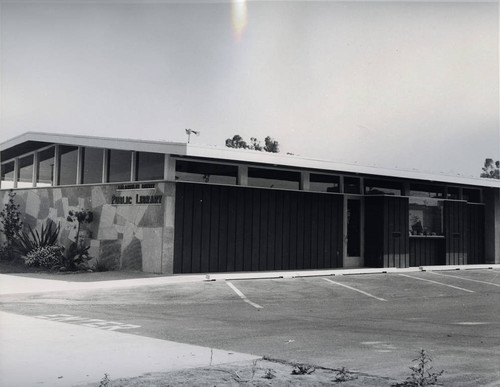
[189, 131]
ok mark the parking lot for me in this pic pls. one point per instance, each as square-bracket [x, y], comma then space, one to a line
[371, 323]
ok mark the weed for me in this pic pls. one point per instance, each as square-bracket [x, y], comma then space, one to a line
[344, 375]
[303, 369]
[422, 373]
[105, 381]
[269, 374]
[254, 368]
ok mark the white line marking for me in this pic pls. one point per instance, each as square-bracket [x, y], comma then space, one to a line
[89, 322]
[439, 283]
[243, 297]
[465, 279]
[356, 290]
[471, 323]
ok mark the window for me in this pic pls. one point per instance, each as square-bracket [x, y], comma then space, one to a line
[272, 178]
[7, 175]
[426, 216]
[92, 159]
[324, 183]
[472, 195]
[68, 160]
[25, 172]
[150, 166]
[453, 193]
[205, 172]
[45, 168]
[119, 165]
[351, 185]
[428, 191]
[380, 187]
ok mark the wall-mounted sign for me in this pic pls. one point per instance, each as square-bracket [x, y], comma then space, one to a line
[136, 199]
[132, 198]
[135, 186]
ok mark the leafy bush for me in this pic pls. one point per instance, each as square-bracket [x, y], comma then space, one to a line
[27, 242]
[46, 256]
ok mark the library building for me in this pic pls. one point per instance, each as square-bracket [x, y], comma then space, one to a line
[172, 208]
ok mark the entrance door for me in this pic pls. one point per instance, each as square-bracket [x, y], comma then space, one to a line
[353, 232]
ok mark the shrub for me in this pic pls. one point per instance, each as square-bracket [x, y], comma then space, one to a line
[101, 266]
[45, 256]
[10, 217]
[32, 240]
[75, 258]
[6, 252]
[78, 218]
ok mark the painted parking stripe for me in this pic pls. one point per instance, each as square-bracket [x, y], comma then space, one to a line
[465, 279]
[439, 283]
[356, 290]
[243, 297]
[89, 322]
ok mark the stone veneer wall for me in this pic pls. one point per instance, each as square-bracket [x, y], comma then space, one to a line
[125, 236]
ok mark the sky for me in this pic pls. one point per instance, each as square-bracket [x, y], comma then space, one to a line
[393, 84]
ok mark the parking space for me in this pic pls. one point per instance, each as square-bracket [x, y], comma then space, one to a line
[379, 321]
[373, 323]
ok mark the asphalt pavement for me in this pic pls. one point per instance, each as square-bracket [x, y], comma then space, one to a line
[373, 322]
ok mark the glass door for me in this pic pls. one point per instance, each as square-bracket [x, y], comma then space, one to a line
[353, 232]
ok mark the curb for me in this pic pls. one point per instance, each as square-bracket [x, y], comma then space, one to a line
[11, 284]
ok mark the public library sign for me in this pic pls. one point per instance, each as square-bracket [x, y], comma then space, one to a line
[131, 198]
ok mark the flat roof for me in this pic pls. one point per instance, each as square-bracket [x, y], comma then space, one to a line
[32, 140]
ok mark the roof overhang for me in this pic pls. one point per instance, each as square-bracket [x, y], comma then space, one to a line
[91, 141]
[33, 140]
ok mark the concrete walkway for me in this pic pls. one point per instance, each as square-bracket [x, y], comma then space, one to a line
[48, 353]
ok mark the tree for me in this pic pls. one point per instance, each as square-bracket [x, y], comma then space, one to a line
[255, 144]
[237, 141]
[491, 169]
[271, 145]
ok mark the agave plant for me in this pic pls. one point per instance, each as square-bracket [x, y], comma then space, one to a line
[32, 240]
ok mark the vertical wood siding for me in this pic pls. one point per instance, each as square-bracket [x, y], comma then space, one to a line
[455, 216]
[386, 231]
[224, 228]
[475, 233]
[426, 251]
